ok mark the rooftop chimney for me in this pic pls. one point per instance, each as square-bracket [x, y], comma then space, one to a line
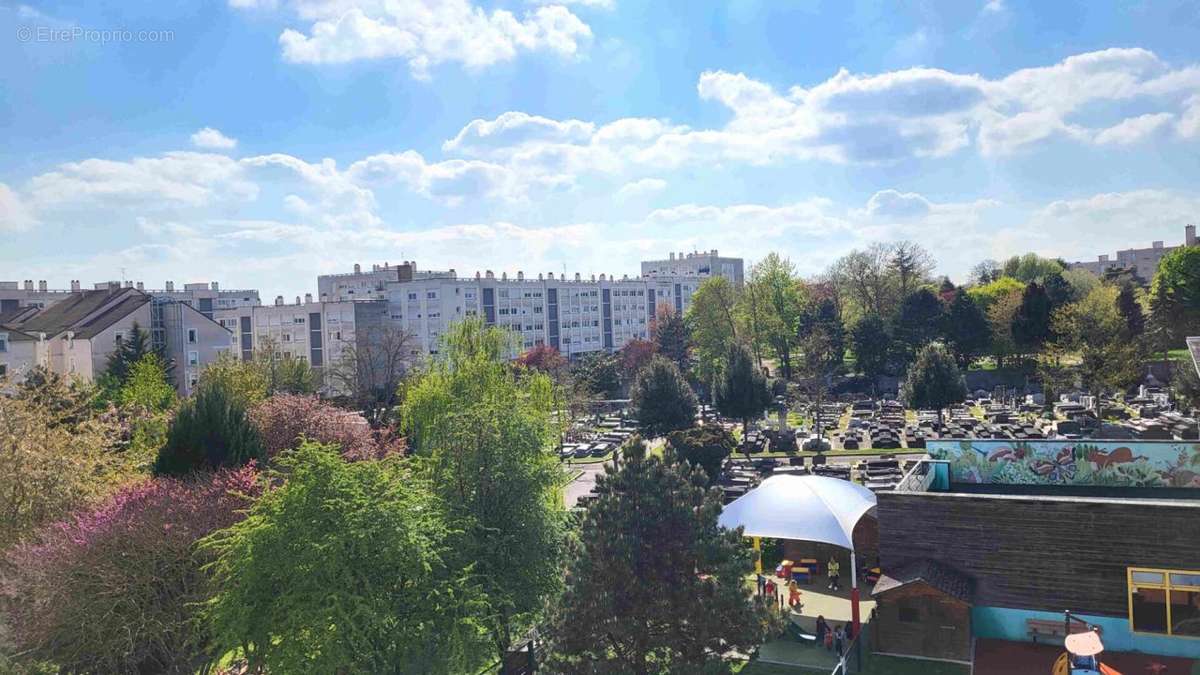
[29, 284]
[489, 274]
[297, 299]
[504, 276]
[1157, 244]
[520, 276]
[42, 285]
[128, 283]
[170, 286]
[476, 274]
[307, 298]
[671, 256]
[141, 286]
[216, 286]
[75, 286]
[577, 276]
[279, 301]
[550, 276]
[1189, 235]
[357, 268]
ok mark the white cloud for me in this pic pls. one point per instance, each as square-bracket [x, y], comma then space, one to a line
[993, 7]
[1081, 229]
[595, 4]
[424, 33]
[640, 188]
[212, 139]
[14, 215]
[184, 178]
[1189, 122]
[895, 204]
[513, 130]
[1134, 129]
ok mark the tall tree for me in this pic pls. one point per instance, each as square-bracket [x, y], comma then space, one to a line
[1175, 295]
[371, 367]
[966, 330]
[933, 380]
[985, 272]
[634, 356]
[821, 329]
[871, 340]
[742, 392]
[706, 447]
[868, 280]
[917, 324]
[773, 281]
[129, 350]
[1031, 268]
[671, 336]
[912, 265]
[661, 398]
[1093, 329]
[1031, 327]
[712, 321]
[543, 358]
[1001, 311]
[1058, 290]
[653, 521]
[598, 375]
[487, 431]
[1131, 312]
[146, 385]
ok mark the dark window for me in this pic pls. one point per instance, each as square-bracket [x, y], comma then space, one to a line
[908, 613]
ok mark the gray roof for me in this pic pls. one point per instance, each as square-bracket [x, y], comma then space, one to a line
[78, 313]
[933, 574]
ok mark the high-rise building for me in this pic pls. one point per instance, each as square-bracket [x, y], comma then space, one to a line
[1141, 261]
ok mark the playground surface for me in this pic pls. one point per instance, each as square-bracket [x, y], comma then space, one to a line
[998, 657]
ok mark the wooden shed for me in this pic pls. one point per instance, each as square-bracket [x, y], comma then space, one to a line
[923, 609]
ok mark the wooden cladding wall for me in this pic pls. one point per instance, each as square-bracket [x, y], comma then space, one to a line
[1038, 553]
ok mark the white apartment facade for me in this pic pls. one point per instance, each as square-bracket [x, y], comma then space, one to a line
[696, 264]
[1142, 261]
[316, 332]
[575, 316]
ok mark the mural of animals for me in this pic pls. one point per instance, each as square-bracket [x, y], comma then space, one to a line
[1066, 462]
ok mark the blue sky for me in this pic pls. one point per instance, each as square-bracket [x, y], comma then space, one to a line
[261, 142]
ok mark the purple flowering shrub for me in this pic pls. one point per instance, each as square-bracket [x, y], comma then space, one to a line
[284, 419]
[117, 588]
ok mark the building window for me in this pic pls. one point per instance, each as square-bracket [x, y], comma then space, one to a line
[3, 369]
[3, 342]
[193, 358]
[1166, 602]
[191, 336]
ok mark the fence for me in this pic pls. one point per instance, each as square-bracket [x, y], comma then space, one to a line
[857, 652]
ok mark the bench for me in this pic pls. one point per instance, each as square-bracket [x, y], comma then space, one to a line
[1051, 628]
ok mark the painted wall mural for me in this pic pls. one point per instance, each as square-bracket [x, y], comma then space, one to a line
[1065, 462]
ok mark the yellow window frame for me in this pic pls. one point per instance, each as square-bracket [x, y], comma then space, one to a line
[1165, 586]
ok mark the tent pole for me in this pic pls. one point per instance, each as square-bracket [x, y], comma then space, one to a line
[854, 615]
[758, 555]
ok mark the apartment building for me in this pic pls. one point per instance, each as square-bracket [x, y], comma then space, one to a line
[313, 331]
[696, 264]
[76, 334]
[204, 297]
[371, 284]
[1141, 261]
[574, 315]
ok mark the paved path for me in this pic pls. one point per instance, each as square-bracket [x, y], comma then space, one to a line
[582, 485]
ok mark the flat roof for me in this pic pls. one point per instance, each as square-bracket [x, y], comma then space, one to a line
[1102, 491]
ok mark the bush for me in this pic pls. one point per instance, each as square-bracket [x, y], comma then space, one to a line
[283, 421]
[115, 589]
[211, 431]
[706, 447]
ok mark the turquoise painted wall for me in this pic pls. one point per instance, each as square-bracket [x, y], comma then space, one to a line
[1063, 462]
[1002, 623]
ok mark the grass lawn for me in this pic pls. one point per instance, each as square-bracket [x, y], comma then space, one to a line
[759, 668]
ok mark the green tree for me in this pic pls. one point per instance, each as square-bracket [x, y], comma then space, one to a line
[210, 431]
[912, 265]
[671, 337]
[146, 385]
[598, 375]
[1131, 312]
[966, 330]
[1031, 267]
[917, 324]
[780, 296]
[706, 447]
[661, 398]
[344, 567]
[1185, 383]
[742, 391]
[1175, 294]
[242, 381]
[1001, 312]
[933, 381]
[67, 402]
[1093, 329]
[872, 345]
[988, 294]
[712, 322]
[822, 320]
[487, 433]
[1031, 323]
[129, 350]
[654, 584]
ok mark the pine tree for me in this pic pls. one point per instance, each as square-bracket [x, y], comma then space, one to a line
[742, 390]
[654, 584]
[1031, 324]
[129, 350]
[1131, 312]
[661, 399]
[210, 431]
[933, 380]
[966, 330]
[671, 337]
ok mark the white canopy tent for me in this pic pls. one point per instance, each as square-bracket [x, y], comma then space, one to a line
[804, 508]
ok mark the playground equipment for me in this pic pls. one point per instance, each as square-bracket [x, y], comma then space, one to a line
[1083, 649]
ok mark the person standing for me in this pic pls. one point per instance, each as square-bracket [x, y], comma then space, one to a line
[834, 569]
[839, 639]
[793, 594]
